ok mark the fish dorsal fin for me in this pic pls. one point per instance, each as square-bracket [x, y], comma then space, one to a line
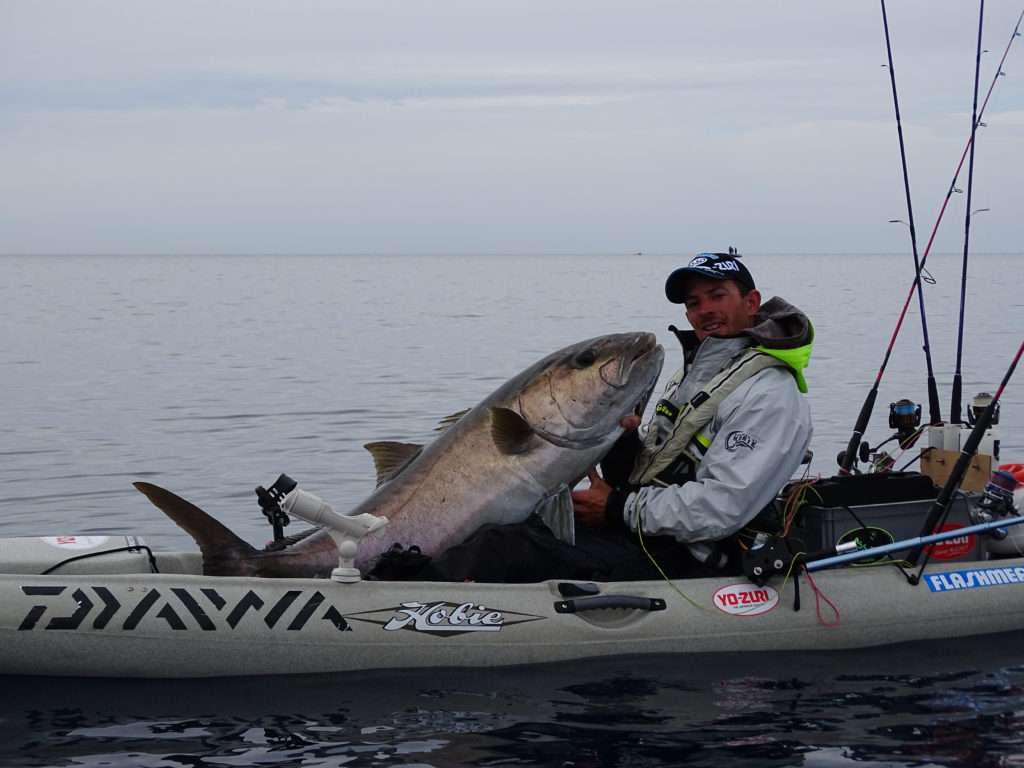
[510, 431]
[448, 421]
[390, 458]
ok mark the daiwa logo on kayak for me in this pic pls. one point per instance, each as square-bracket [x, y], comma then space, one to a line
[206, 609]
[745, 599]
[442, 618]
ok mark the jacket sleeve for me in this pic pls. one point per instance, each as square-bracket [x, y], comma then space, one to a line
[763, 430]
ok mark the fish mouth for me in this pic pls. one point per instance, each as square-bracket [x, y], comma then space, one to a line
[656, 352]
[641, 404]
[618, 373]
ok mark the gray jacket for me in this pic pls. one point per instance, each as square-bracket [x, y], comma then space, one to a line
[759, 436]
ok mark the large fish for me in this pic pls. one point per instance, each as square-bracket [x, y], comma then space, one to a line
[539, 432]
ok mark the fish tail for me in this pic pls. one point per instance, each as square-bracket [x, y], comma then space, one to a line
[224, 553]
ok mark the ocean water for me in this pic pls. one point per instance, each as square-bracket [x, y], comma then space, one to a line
[210, 375]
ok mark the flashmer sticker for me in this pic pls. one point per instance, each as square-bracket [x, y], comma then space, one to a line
[974, 578]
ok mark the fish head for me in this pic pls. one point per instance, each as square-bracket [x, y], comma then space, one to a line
[577, 396]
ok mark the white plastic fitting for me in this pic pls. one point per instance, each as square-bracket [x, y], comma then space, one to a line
[346, 530]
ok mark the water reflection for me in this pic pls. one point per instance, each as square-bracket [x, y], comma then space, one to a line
[934, 705]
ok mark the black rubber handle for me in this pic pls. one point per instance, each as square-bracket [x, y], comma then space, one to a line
[580, 604]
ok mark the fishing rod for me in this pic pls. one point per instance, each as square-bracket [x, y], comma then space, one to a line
[935, 417]
[940, 507]
[954, 406]
[848, 456]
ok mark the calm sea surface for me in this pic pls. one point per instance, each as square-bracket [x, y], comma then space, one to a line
[210, 375]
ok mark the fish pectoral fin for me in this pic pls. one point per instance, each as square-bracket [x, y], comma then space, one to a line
[556, 510]
[390, 458]
[510, 431]
[449, 421]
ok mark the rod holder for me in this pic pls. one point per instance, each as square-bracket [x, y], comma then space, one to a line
[345, 530]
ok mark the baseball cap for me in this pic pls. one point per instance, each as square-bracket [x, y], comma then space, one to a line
[710, 266]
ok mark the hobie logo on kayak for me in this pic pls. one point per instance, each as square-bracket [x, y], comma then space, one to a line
[441, 618]
[745, 599]
[445, 617]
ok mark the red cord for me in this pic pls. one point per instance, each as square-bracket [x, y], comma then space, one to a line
[819, 596]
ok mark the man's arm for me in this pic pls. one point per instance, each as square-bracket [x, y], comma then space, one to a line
[764, 431]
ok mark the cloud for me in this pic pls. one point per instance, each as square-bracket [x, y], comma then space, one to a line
[386, 126]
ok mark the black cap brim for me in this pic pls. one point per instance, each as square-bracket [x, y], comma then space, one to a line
[675, 285]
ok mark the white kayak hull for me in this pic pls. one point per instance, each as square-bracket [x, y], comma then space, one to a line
[181, 624]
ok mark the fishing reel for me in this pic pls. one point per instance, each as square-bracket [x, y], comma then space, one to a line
[769, 556]
[878, 461]
[996, 502]
[981, 401]
[905, 418]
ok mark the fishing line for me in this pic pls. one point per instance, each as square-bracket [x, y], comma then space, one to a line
[954, 406]
[924, 452]
[935, 417]
[869, 402]
[905, 444]
[654, 562]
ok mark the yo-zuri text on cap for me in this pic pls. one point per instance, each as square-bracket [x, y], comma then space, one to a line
[708, 266]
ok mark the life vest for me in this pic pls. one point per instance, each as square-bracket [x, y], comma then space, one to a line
[685, 441]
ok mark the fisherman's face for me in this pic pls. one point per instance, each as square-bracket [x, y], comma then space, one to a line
[719, 308]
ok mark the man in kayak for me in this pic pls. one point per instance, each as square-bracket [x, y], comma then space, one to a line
[679, 497]
[730, 430]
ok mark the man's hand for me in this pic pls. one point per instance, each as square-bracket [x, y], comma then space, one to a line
[630, 422]
[590, 505]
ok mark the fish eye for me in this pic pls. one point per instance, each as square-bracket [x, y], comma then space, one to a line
[585, 359]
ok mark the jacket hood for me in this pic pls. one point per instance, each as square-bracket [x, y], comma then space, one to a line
[784, 332]
[780, 325]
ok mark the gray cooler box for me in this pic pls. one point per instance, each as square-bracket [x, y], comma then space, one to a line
[896, 502]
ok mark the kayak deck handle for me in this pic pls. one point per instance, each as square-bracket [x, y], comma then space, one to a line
[580, 604]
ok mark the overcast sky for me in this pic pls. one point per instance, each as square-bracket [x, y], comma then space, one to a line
[494, 126]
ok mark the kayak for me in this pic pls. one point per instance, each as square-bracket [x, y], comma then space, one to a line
[108, 606]
[179, 624]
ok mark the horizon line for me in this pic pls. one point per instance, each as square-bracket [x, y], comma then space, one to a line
[436, 254]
